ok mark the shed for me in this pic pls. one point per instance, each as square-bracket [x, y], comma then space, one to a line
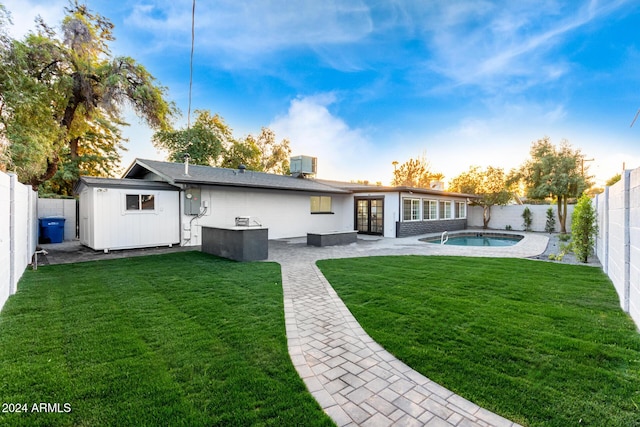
[128, 213]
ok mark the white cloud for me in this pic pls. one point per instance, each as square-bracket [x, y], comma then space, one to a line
[343, 153]
[24, 12]
[488, 43]
[245, 27]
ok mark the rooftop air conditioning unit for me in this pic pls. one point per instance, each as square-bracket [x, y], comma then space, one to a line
[303, 165]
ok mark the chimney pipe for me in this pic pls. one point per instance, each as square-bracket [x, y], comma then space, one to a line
[186, 158]
[241, 168]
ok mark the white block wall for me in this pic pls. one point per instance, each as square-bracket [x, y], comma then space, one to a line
[5, 242]
[501, 216]
[64, 208]
[634, 245]
[18, 232]
[618, 243]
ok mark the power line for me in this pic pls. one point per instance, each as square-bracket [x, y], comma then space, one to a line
[193, 20]
[634, 119]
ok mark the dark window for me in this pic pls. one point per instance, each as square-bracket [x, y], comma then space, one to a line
[136, 202]
[411, 209]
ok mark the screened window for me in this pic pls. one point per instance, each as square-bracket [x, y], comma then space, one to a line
[411, 209]
[321, 204]
[140, 202]
[461, 210]
[430, 209]
[445, 210]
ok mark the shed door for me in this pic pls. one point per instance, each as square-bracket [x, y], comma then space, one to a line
[370, 216]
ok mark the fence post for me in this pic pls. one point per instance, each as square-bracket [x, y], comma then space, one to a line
[13, 179]
[605, 230]
[627, 240]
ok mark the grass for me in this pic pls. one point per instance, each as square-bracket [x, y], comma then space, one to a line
[183, 339]
[542, 344]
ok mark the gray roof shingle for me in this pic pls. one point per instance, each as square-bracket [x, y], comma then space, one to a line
[173, 173]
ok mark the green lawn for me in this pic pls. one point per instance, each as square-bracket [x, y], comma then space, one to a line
[542, 344]
[183, 339]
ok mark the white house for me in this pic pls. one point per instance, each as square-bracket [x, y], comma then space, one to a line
[162, 203]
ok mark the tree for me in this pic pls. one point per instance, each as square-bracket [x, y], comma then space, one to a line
[489, 185]
[550, 225]
[62, 99]
[584, 228]
[555, 172]
[259, 153]
[204, 142]
[527, 218]
[614, 179]
[415, 173]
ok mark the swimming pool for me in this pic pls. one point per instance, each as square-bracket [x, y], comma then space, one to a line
[478, 239]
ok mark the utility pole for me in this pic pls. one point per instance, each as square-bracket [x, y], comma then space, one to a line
[585, 160]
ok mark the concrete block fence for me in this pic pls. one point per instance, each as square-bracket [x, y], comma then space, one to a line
[63, 208]
[511, 215]
[18, 232]
[618, 241]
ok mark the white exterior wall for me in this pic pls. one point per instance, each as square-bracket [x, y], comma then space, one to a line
[284, 213]
[105, 223]
[63, 208]
[501, 216]
[391, 213]
[18, 232]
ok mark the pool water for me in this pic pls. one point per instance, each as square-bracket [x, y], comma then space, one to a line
[479, 240]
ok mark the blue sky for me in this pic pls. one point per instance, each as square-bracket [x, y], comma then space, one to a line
[360, 84]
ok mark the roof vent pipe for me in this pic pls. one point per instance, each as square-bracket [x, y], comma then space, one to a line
[186, 158]
[241, 168]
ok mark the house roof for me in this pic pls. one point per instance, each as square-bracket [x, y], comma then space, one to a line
[173, 173]
[355, 187]
[90, 181]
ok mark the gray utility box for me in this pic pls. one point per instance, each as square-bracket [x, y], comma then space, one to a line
[236, 243]
[192, 201]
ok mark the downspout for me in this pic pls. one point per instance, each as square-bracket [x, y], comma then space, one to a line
[399, 216]
[180, 195]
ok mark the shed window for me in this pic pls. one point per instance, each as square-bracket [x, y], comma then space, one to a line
[411, 209]
[321, 204]
[140, 202]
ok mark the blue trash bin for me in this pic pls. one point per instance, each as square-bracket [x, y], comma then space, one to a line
[51, 230]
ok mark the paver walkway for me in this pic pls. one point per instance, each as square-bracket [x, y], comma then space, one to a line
[354, 379]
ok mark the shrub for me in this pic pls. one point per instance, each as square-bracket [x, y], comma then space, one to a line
[564, 237]
[527, 218]
[508, 228]
[583, 228]
[550, 226]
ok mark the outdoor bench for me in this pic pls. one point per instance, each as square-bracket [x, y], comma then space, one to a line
[332, 238]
